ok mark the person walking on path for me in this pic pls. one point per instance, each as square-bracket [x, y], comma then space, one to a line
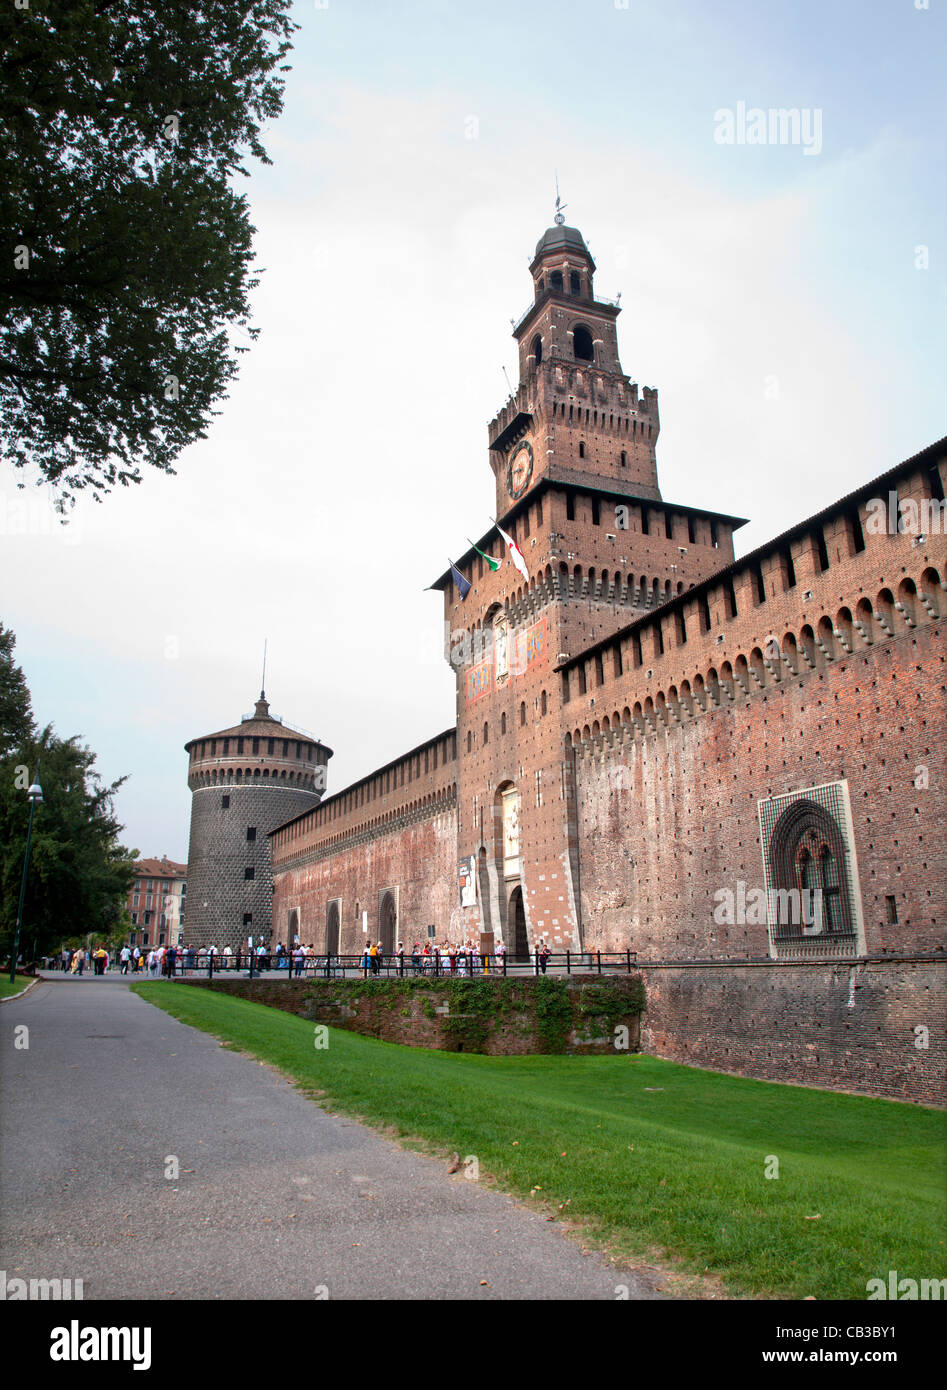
[124, 956]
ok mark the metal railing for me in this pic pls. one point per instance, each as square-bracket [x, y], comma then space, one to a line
[399, 965]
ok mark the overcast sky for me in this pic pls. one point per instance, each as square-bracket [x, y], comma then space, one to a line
[774, 294]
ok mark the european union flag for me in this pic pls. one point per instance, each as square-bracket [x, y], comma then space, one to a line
[463, 585]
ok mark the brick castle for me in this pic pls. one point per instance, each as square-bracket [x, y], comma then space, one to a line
[733, 767]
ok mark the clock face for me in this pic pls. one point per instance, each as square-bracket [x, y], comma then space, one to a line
[520, 470]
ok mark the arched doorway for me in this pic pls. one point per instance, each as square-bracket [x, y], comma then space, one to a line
[293, 926]
[332, 929]
[516, 919]
[387, 921]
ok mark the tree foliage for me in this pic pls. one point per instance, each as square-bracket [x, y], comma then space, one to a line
[79, 873]
[125, 250]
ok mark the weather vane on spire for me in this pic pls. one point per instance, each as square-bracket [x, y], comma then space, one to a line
[559, 218]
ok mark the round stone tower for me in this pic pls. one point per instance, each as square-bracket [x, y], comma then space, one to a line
[244, 781]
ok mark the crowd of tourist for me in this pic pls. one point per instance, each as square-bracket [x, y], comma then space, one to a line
[169, 961]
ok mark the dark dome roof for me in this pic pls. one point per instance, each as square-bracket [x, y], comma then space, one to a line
[556, 238]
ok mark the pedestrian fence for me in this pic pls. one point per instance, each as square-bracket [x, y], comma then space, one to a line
[462, 964]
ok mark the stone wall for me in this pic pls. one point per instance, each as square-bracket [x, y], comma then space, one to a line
[219, 894]
[500, 1017]
[870, 1025]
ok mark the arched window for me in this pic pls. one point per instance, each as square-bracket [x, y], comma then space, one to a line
[537, 349]
[575, 283]
[555, 281]
[582, 345]
[809, 892]
[502, 723]
[523, 712]
[542, 703]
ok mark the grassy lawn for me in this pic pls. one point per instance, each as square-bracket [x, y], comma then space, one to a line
[652, 1158]
[21, 983]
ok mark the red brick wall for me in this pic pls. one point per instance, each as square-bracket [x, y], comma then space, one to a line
[668, 817]
[395, 830]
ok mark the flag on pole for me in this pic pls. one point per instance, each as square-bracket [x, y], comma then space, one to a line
[516, 555]
[463, 585]
[494, 564]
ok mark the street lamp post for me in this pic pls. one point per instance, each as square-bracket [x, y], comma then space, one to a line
[35, 794]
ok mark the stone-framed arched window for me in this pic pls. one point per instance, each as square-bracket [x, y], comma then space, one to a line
[811, 879]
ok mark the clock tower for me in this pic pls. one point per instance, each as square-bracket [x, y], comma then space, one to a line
[575, 416]
[598, 549]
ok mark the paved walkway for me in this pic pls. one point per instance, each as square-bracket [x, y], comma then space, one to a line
[276, 1199]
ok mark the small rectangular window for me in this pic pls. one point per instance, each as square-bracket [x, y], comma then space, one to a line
[892, 906]
[248, 919]
[595, 512]
[760, 585]
[644, 521]
[251, 832]
[821, 547]
[570, 507]
[225, 803]
[249, 873]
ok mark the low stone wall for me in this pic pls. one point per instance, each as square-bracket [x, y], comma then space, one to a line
[498, 1016]
[872, 1025]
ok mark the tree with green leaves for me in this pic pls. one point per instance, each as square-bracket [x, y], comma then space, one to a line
[125, 250]
[79, 873]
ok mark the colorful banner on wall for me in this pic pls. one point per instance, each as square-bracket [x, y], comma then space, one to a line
[530, 647]
[468, 886]
[513, 655]
[479, 681]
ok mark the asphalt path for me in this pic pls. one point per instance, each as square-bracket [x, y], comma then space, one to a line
[275, 1198]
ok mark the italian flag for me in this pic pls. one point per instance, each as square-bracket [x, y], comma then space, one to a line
[494, 564]
[516, 555]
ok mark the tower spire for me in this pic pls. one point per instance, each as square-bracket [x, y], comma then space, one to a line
[262, 709]
[560, 216]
